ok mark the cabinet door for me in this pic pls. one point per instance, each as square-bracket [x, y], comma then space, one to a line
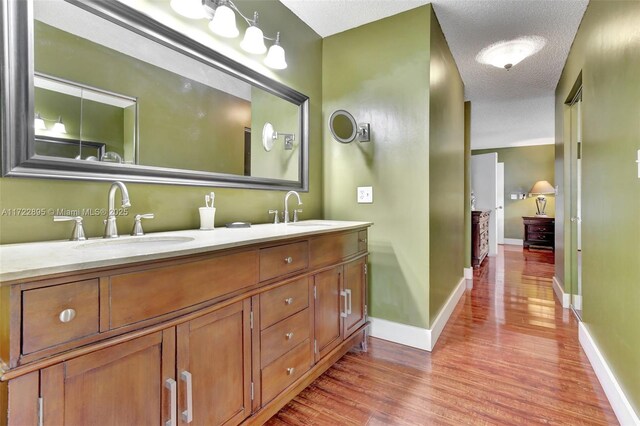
[120, 385]
[329, 309]
[355, 287]
[214, 367]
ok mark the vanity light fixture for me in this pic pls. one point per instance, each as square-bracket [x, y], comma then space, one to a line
[58, 125]
[507, 53]
[223, 23]
[269, 137]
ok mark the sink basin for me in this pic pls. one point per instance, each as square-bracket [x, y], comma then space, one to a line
[144, 243]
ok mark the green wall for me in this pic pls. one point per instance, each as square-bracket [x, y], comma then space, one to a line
[606, 52]
[446, 172]
[523, 166]
[467, 184]
[382, 73]
[176, 206]
[379, 72]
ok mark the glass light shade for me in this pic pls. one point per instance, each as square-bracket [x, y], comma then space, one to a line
[191, 9]
[253, 41]
[59, 127]
[38, 123]
[542, 187]
[505, 54]
[224, 22]
[275, 58]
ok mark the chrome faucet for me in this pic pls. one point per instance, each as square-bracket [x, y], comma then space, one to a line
[110, 228]
[286, 206]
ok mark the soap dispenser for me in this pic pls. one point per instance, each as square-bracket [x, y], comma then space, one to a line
[208, 212]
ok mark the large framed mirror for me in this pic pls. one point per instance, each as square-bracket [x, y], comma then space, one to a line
[98, 90]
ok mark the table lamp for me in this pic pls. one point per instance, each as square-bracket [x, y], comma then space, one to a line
[541, 188]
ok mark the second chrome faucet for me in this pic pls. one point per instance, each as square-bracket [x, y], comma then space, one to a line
[110, 227]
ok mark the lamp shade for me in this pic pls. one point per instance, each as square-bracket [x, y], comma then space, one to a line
[59, 126]
[542, 187]
[191, 9]
[253, 41]
[224, 22]
[275, 58]
[38, 122]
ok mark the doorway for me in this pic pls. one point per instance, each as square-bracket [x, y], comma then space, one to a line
[576, 152]
[484, 184]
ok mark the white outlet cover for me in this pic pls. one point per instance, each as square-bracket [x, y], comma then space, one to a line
[365, 194]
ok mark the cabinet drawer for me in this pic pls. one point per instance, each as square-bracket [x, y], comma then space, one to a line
[540, 228]
[362, 240]
[329, 249]
[285, 370]
[282, 302]
[147, 294]
[540, 236]
[281, 337]
[43, 324]
[283, 260]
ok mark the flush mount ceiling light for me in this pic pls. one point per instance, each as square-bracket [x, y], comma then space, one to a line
[507, 53]
[222, 16]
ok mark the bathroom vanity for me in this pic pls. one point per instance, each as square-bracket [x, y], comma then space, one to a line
[190, 327]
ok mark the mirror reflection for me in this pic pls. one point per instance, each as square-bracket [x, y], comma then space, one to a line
[122, 98]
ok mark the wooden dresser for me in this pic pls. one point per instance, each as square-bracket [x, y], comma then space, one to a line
[539, 231]
[479, 237]
[221, 338]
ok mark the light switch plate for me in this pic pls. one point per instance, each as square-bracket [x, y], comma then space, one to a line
[365, 194]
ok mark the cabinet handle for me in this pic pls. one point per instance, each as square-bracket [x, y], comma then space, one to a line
[67, 315]
[290, 371]
[187, 415]
[363, 240]
[288, 300]
[346, 308]
[173, 396]
[288, 260]
[348, 291]
[289, 335]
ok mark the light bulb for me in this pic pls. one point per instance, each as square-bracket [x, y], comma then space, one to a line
[191, 9]
[275, 57]
[38, 122]
[59, 126]
[224, 22]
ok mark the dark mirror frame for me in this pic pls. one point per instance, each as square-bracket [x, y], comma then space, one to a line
[17, 114]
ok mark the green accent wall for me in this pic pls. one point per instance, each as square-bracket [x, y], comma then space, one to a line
[446, 172]
[523, 166]
[380, 73]
[605, 54]
[176, 207]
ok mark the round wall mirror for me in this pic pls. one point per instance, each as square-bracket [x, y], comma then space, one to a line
[343, 126]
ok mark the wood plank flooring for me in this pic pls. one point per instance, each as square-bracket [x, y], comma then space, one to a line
[508, 356]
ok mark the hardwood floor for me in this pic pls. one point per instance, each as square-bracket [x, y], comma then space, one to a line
[509, 355]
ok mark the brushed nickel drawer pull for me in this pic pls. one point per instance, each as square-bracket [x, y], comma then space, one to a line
[288, 300]
[290, 371]
[187, 415]
[67, 315]
[363, 240]
[172, 386]
[289, 335]
[288, 260]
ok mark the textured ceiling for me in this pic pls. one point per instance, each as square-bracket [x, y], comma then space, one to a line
[509, 108]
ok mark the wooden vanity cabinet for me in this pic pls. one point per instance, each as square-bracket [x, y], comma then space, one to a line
[291, 310]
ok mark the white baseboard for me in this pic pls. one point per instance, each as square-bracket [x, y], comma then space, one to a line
[513, 241]
[468, 273]
[618, 400]
[417, 337]
[563, 298]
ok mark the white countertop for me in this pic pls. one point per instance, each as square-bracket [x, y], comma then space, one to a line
[33, 260]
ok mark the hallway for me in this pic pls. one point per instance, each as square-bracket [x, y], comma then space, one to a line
[509, 355]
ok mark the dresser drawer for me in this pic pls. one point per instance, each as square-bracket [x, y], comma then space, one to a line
[59, 314]
[540, 228]
[147, 294]
[282, 302]
[283, 260]
[283, 336]
[329, 249]
[285, 370]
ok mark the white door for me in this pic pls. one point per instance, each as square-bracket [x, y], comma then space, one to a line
[484, 173]
[500, 202]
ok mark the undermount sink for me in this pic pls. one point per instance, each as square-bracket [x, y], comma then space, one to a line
[134, 242]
